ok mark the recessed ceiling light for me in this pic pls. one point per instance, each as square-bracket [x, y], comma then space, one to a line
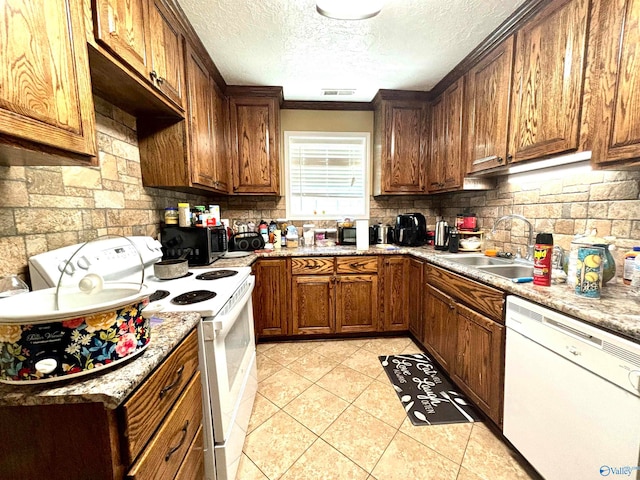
[349, 9]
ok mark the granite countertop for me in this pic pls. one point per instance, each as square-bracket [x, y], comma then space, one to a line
[617, 310]
[114, 385]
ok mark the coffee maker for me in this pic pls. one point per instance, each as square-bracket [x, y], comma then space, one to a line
[441, 239]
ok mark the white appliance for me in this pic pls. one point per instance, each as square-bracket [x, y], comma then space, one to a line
[227, 351]
[571, 395]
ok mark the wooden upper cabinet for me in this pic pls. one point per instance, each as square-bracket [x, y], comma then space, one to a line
[486, 115]
[121, 27]
[616, 99]
[200, 121]
[45, 90]
[444, 172]
[399, 146]
[548, 79]
[255, 131]
[220, 139]
[165, 52]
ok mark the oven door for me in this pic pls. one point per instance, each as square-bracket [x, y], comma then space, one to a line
[228, 349]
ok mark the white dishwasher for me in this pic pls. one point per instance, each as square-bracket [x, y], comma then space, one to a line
[571, 395]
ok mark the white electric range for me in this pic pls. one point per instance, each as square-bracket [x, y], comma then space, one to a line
[222, 296]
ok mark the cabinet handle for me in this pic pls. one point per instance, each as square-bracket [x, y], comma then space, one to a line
[164, 391]
[174, 449]
[452, 306]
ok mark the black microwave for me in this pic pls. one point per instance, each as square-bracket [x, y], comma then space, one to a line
[346, 235]
[205, 244]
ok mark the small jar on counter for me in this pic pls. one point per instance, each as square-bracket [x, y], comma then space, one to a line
[320, 236]
[184, 215]
[171, 216]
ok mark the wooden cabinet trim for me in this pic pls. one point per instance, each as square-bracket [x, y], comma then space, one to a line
[357, 264]
[312, 265]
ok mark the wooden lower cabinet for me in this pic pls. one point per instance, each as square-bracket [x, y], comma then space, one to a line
[440, 330]
[467, 342]
[334, 295]
[395, 293]
[313, 304]
[478, 366]
[356, 303]
[271, 297]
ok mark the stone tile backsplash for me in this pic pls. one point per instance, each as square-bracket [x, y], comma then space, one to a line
[44, 208]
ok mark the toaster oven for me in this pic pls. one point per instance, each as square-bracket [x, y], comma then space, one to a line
[346, 235]
[205, 244]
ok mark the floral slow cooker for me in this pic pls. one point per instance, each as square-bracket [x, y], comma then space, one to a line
[83, 325]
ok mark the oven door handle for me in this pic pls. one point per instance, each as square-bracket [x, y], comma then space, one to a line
[222, 323]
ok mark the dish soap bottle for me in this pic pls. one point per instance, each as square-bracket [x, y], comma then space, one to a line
[542, 255]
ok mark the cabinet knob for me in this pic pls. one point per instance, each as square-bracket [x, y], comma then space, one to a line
[160, 80]
[153, 75]
[509, 157]
[500, 159]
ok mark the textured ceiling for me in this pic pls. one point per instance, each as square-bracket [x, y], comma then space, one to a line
[410, 45]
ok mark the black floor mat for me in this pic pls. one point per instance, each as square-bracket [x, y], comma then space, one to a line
[426, 395]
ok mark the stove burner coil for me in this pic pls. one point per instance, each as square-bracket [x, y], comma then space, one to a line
[158, 295]
[216, 274]
[193, 297]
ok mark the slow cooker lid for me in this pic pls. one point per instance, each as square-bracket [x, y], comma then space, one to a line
[82, 284]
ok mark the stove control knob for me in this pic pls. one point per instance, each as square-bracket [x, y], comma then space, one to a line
[84, 263]
[66, 267]
[46, 365]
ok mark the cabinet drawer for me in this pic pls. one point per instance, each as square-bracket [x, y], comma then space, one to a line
[356, 264]
[192, 467]
[312, 266]
[146, 408]
[165, 452]
[480, 297]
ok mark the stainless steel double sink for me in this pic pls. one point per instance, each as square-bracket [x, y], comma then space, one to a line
[497, 266]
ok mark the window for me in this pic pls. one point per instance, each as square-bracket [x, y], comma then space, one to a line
[327, 174]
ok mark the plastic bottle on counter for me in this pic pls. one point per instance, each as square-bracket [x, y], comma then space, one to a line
[184, 215]
[635, 278]
[542, 255]
[629, 261]
[292, 236]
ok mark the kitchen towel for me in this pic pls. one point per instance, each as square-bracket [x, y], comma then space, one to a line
[427, 396]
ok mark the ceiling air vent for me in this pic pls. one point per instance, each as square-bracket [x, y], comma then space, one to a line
[338, 92]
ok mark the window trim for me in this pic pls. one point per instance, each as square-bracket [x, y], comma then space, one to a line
[367, 172]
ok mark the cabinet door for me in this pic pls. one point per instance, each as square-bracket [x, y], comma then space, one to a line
[452, 168]
[45, 90]
[200, 121]
[255, 130]
[478, 367]
[547, 81]
[313, 304]
[616, 100]
[356, 303]
[165, 52]
[404, 163]
[488, 94]
[440, 326]
[121, 26]
[415, 294]
[395, 285]
[271, 297]
[220, 139]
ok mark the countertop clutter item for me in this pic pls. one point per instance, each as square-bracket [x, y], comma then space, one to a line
[173, 268]
[246, 241]
[84, 324]
[542, 256]
[171, 216]
[411, 229]
[206, 244]
[454, 240]
[629, 264]
[184, 215]
[609, 267]
[635, 277]
[384, 234]
[589, 271]
[470, 244]
[12, 285]
[362, 235]
[441, 239]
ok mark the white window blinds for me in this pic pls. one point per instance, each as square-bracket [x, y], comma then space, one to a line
[327, 175]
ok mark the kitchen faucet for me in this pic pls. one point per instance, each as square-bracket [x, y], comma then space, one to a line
[529, 256]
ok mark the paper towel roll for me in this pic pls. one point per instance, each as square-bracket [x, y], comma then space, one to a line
[362, 234]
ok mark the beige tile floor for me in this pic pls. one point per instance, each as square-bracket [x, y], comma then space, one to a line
[326, 410]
